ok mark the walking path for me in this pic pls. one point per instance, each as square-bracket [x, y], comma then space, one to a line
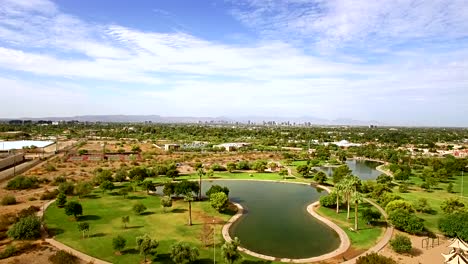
[60, 246]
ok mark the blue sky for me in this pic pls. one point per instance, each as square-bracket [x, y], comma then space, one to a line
[398, 62]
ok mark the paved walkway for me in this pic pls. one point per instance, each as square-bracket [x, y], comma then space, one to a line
[60, 246]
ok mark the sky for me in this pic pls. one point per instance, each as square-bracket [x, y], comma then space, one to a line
[399, 62]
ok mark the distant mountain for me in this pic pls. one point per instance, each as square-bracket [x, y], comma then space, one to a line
[190, 119]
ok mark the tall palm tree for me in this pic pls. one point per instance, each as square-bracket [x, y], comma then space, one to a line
[189, 198]
[350, 183]
[200, 173]
[357, 198]
[338, 191]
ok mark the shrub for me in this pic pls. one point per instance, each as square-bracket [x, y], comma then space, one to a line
[8, 200]
[67, 188]
[403, 188]
[58, 180]
[401, 244]
[118, 243]
[120, 175]
[73, 208]
[9, 251]
[452, 205]
[369, 215]
[22, 183]
[26, 228]
[47, 195]
[49, 167]
[217, 188]
[386, 198]
[450, 188]
[219, 201]
[375, 258]
[61, 200]
[243, 165]
[31, 210]
[328, 200]
[399, 204]
[384, 179]
[139, 208]
[63, 257]
[422, 206]
[182, 253]
[454, 225]
[166, 201]
[408, 222]
[217, 167]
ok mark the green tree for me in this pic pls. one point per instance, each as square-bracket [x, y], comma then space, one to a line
[182, 253]
[28, 227]
[340, 172]
[106, 186]
[146, 245]
[454, 225]
[125, 220]
[209, 173]
[219, 201]
[369, 215]
[401, 244]
[118, 243]
[83, 188]
[215, 189]
[73, 208]
[83, 227]
[450, 187]
[169, 188]
[452, 205]
[375, 258]
[349, 186]
[422, 206]
[231, 166]
[149, 186]
[304, 170]
[283, 173]
[61, 200]
[399, 204]
[139, 208]
[200, 173]
[67, 188]
[320, 177]
[166, 201]
[356, 198]
[230, 251]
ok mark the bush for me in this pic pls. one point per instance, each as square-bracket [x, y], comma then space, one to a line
[219, 201]
[139, 208]
[422, 206]
[405, 221]
[118, 243]
[375, 258]
[217, 188]
[26, 228]
[369, 215]
[217, 167]
[73, 208]
[63, 257]
[31, 210]
[9, 251]
[454, 225]
[49, 167]
[399, 204]
[243, 165]
[403, 188]
[67, 188]
[49, 195]
[23, 183]
[61, 200]
[328, 201]
[8, 200]
[401, 244]
[386, 198]
[452, 205]
[58, 180]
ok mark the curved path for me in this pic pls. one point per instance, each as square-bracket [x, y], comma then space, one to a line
[61, 246]
[344, 245]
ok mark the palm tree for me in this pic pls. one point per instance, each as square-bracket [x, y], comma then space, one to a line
[338, 191]
[201, 173]
[349, 187]
[189, 198]
[357, 198]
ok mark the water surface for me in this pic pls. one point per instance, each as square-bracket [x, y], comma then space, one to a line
[364, 169]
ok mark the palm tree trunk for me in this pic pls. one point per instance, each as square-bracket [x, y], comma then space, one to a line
[190, 213]
[337, 204]
[356, 216]
[348, 198]
[199, 190]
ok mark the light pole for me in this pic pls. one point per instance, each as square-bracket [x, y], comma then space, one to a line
[461, 191]
[214, 242]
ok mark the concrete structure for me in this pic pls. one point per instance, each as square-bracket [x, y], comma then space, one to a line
[232, 146]
[171, 147]
[10, 160]
[8, 145]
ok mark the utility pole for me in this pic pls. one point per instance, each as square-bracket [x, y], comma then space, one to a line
[214, 242]
[14, 163]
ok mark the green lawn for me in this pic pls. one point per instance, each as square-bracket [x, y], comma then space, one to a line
[103, 212]
[365, 237]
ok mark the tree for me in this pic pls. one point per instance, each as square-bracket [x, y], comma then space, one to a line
[320, 177]
[401, 244]
[125, 220]
[356, 198]
[118, 243]
[121, 175]
[28, 227]
[406, 221]
[83, 227]
[169, 188]
[272, 166]
[209, 173]
[124, 191]
[215, 189]
[200, 173]
[231, 166]
[349, 186]
[184, 187]
[421, 205]
[259, 165]
[66, 188]
[243, 165]
[106, 186]
[182, 253]
[62, 257]
[219, 201]
[166, 201]
[230, 251]
[375, 258]
[399, 204]
[340, 172]
[283, 173]
[149, 186]
[303, 170]
[172, 172]
[73, 208]
[454, 225]
[61, 200]
[384, 179]
[450, 187]
[146, 245]
[189, 198]
[369, 215]
[452, 205]
[83, 188]
[139, 208]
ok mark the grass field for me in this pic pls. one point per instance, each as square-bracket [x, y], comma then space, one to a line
[104, 211]
[273, 176]
[365, 237]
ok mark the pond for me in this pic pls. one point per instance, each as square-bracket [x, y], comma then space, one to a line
[364, 169]
[276, 222]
